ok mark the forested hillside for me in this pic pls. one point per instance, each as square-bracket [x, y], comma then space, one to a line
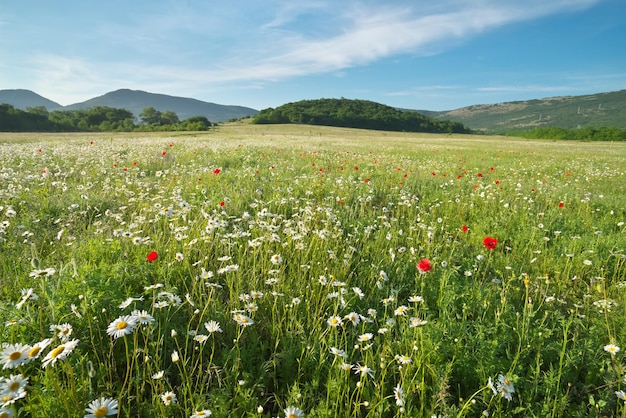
[96, 119]
[351, 113]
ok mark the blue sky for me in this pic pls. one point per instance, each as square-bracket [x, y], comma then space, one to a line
[417, 54]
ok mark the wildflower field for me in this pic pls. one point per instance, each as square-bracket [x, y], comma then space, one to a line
[291, 271]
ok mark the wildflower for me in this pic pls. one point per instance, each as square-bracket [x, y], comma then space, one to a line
[401, 310]
[612, 349]
[490, 243]
[158, 375]
[276, 259]
[621, 394]
[14, 355]
[416, 322]
[179, 257]
[201, 338]
[6, 413]
[398, 394]
[128, 301]
[202, 413]
[505, 387]
[293, 412]
[175, 356]
[37, 348]
[26, 295]
[353, 317]
[346, 367]
[416, 299]
[587, 262]
[243, 320]
[75, 311]
[122, 326]
[212, 326]
[464, 228]
[101, 408]
[153, 286]
[59, 353]
[42, 273]
[152, 256]
[334, 321]
[169, 398]
[142, 317]
[402, 359]
[338, 352]
[363, 370]
[365, 337]
[12, 388]
[424, 265]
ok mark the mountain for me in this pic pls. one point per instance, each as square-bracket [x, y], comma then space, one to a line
[137, 100]
[594, 110]
[22, 99]
[134, 101]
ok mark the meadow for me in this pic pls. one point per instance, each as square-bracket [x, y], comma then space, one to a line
[292, 271]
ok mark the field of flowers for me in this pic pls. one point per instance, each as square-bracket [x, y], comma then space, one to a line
[291, 271]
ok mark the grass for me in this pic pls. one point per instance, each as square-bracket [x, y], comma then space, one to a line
[263, 270]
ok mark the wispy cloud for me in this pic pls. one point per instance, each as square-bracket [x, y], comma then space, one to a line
[286, 39]
[376, 32]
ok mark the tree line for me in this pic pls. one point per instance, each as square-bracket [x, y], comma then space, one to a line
[581, 134]
[351, 113]
[95, 119]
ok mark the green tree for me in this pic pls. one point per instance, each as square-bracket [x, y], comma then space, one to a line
[150, 116]
[168, 118]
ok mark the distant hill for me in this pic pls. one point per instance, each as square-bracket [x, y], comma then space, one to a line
[137, 100]
[351, 113]
[23, 99]
[134, 101]
[571, 112]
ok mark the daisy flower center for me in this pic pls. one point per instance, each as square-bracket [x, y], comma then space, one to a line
[14, 386]
[16, 355]
[54, 353]
[34, 351]
[122, 325]
[101, 412]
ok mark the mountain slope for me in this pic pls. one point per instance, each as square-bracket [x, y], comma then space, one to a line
[137, 100]
[594, 110]
[22, 99]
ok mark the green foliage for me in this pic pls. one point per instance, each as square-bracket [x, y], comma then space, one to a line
[582, 134]
[355, 114]
[95, 119]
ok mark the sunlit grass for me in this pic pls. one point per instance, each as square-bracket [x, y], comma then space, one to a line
[263, 270]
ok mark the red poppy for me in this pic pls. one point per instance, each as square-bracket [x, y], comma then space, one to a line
[152, 256]
[163, 153]
[424, 265]
[561, 204]
[464, 228]
[216, 171]
[222, 203]
[490, 242]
